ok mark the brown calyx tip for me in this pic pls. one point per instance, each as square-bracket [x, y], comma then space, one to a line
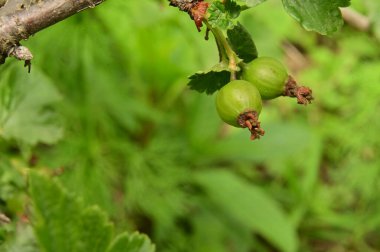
[303, 94]
[198, 13]
[250, 120]
[197, 9]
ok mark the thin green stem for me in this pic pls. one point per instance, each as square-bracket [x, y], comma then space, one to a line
[226, 53]
[223, 57]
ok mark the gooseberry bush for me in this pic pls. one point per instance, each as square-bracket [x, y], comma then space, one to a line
[240, 80]
[237, 104]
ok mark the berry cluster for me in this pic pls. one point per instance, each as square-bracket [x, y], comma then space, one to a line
[239, 102]
[241, 78]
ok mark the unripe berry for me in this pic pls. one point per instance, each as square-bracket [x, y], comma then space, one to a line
[239, 104]
[272, 80]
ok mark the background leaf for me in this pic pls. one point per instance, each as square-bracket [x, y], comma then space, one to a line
[62, 223]
[322, 16]
[249, 205]
[27, 107]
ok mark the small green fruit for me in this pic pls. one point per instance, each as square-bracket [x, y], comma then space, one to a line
[239, 104]
[268, 75]
[272, 80]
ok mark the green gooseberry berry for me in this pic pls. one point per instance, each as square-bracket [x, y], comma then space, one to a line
[272, 80]
[239, 104]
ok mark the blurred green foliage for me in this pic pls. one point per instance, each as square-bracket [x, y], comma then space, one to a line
[155, 156]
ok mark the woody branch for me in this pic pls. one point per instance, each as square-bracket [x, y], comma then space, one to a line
[19, 19]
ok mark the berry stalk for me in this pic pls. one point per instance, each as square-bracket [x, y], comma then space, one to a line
[227, 54]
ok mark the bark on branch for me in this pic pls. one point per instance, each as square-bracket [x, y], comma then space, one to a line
[19, 19]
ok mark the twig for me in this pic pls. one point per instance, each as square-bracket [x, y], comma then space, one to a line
[356, 20]
[19, 19]
[4, 219]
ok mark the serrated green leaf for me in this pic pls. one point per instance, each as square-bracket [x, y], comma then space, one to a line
[131, 243]
[249, 206]
[56, 213]
[210, 81]
[242, 43]
[95, 230]
[232, 8]
[322, 16]
[26, 107]
[62, 224]
[222, 15]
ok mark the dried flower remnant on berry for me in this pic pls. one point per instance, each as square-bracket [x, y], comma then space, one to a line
[250, 120]
[197, 9]
[303, 94]
[198, 13]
